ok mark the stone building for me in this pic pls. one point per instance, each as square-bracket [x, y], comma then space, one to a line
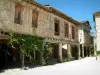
[93, 44]
[96, 17]
[84, 39]
[29, 17]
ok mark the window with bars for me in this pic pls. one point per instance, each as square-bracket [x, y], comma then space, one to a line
[73, 32]
[34, 18]
[66, 30]
[57, 28]
[18, 13]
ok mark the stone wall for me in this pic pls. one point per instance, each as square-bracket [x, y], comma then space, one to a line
[45, 21]
[81, 34]
[97, 20]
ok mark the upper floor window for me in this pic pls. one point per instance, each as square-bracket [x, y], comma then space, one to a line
[73, 32]
[34, 18]
[18, 13]
[57, 27]
[66, 30]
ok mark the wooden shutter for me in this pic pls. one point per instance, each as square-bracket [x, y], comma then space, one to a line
[66, 30]
[34, 19]
[57, 28]
[18, 14]
[73, 32]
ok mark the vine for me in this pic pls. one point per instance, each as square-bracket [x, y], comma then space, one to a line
[26, 43]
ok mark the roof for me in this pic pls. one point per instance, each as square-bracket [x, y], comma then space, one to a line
[54, 11]
[96, 14]
[86, 21]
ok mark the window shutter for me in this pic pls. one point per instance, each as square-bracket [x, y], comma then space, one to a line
[66, 30]
[34, 19]
[57, 27]
[73, 32]
[18, 14]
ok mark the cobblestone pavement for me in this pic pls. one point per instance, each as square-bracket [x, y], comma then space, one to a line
[86, 66]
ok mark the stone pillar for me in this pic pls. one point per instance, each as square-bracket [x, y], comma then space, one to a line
[68, 51]
[89, 51]
[60, 52]
[79, 51]
[34, 54]
[22, 59]
[42, 61]
[82, 50]
[86, 52]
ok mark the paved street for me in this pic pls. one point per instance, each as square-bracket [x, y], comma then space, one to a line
[86, 66]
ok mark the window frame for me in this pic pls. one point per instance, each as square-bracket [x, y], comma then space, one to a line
[35, 24]
[66, 27]
[18, 11]
[57, 21]
[73, 32]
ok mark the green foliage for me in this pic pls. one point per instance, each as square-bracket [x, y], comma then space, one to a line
[98, 52]
[26, 43]
[46, 51]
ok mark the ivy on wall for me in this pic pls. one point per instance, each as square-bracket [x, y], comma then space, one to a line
[26, 44]
[46, 51]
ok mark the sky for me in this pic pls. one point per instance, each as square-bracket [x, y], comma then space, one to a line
[79, 10]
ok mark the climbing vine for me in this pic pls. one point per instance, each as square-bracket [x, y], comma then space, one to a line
[46, 51]
[26, 43]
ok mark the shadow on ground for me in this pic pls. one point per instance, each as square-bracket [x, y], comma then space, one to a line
[12, 66]
[9, 66]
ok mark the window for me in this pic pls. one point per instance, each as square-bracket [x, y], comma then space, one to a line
[18, 13]
[56, 27]
[34, 19]
[66, 30]
[73, 32]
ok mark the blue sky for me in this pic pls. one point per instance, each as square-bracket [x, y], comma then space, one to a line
[78, 9]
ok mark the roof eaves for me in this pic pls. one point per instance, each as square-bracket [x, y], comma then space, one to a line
[96, 14]
[56, 12]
